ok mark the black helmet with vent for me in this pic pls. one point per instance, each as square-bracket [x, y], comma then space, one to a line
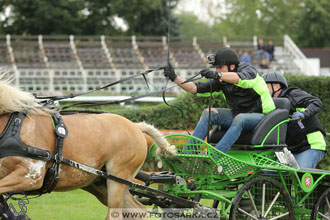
[224, 56]
[274, 77]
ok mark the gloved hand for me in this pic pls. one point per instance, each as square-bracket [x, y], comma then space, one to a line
[169, 72]
[297, 115]
[209, 74]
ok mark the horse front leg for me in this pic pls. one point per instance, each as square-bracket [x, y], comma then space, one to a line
[122, 205]
[21, 174]
[116, 194]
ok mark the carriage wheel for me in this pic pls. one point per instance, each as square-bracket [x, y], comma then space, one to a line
[262, 198]
[322, 207]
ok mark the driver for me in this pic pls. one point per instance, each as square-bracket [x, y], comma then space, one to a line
[245, 91]
[305, 138]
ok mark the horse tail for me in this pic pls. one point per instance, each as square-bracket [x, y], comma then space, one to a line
[164, 148]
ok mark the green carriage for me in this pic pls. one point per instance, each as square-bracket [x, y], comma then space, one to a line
[252, 181]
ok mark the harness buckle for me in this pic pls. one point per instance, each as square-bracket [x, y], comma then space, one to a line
[17, 121]
[58, 158]
[16, 125]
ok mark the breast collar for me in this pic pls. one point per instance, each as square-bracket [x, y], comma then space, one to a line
[12, 145]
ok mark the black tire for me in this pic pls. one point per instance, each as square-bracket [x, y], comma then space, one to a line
[262, 190]
[322, 206]
[245, 202]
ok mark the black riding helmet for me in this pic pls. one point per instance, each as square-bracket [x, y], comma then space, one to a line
[274, 77]
[224, 56]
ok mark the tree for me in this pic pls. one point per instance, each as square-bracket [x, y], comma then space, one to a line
[84, 17]
[147, 17]
[190, 26]
[41, 16]
[314, 28]
[260, 17]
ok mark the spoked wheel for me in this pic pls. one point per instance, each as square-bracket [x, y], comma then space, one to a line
[262, 198]
[322, 207]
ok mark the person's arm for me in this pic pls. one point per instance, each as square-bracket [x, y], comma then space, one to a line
[243, 78]
[229, 77]
[169, 73]
[188, 87]
[302, 99]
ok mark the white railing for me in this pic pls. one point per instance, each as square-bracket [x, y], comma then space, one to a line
[299, 58]
[59, 81]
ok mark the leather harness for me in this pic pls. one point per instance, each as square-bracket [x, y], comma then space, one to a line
[12, 145]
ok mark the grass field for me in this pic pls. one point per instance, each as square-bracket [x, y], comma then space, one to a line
[71, 205]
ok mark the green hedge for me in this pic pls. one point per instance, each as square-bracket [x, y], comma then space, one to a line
[165, 117]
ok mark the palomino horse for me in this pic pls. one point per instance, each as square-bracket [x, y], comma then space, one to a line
[96, 140]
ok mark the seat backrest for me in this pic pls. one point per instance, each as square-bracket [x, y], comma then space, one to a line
[282, 103]
[256, 136]
[269, 121]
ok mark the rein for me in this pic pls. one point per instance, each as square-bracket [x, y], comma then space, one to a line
[169, 65]
[132, 185]
[56, 98]
[89, 104]
[51, 99]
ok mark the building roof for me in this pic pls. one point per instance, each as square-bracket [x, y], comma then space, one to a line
[322, 53]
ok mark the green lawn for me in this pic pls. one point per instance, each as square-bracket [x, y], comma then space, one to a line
[71, 205]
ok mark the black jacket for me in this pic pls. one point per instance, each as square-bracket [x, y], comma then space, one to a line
[296, 137]
[249, 95]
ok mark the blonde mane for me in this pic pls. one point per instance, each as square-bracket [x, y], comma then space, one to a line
[13, 99]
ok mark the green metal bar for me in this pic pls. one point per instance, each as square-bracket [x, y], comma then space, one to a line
[278, 135]
[312, 190]
[283, 182]
[209, 194]
[271, 130]
[225, 211]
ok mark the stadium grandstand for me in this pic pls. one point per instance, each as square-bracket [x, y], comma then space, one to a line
[63, 64]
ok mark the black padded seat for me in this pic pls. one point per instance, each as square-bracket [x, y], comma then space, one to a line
[260, 131]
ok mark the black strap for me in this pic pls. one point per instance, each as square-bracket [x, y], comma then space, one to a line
[179, 200]
[52, 175]
[61, 132]
[12, 145]
[286, 92]
[88, 104]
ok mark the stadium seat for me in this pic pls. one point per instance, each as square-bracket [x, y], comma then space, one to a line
[123, 54]
[59, 54]
[5, 61]
[154, 53]
[187, 56]
[27, 53]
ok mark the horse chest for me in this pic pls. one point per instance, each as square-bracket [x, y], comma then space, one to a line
[72, 178]
[34, 170]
